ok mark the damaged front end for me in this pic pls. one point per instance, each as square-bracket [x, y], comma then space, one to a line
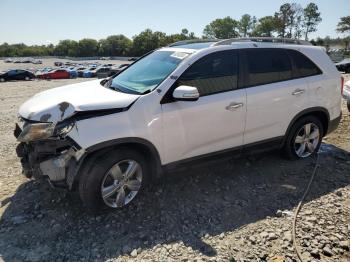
[46, 151]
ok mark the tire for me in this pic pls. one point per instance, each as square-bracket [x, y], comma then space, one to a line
[298, 139]
[2, 79]
[27, 78]
[99, 175]
[348, 104]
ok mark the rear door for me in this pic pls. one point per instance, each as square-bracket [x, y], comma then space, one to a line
[213, 123]
[274, 94]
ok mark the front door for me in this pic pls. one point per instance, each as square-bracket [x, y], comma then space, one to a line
[215, 121]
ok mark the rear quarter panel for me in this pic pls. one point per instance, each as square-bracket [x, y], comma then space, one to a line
[324, 89]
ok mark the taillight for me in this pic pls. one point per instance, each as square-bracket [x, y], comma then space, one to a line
[342, 84]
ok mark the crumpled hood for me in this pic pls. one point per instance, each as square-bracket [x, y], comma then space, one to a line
[60, 103]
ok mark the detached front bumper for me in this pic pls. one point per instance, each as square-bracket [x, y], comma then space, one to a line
[56, 159]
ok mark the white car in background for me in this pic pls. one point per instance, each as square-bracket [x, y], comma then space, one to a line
[346, 94]
[178, 105]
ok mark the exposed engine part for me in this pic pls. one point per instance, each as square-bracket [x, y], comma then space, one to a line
[55, 168]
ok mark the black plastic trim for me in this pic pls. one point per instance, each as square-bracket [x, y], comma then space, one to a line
[235, 152]
[306, 112]
[129, 140]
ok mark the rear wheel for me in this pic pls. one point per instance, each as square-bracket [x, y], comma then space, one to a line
[2, 79]
[304, 138]
[27, 78]
[114, 180]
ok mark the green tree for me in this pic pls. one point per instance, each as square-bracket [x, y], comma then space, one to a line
[184, 32]
[296, 17]
[222, 28]
[88, 47]
[282, 19]
[67, 48]
[266, 26]
[115, 45]
[344, 25]
[246, 25]
[312, 17]
[147, 41]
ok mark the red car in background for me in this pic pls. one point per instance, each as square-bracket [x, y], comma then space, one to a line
[55, 74]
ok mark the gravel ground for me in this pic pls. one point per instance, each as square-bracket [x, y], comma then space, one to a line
[240, 210]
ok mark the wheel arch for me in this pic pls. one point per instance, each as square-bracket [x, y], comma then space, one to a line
[320, 112]
[139, 144]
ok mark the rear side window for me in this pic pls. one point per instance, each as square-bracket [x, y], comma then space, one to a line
[303, 66]
[266, 66]
[214, 73]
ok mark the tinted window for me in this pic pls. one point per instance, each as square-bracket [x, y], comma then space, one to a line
[304, 66]
[267, 66]
[214, 73]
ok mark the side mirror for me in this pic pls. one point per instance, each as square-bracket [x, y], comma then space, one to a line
[186, 93]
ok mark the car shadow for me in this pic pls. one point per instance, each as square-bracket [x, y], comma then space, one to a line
[40, 223]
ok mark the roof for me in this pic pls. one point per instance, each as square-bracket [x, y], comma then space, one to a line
[206, 43]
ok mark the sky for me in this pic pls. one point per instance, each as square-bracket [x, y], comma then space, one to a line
[48, 21]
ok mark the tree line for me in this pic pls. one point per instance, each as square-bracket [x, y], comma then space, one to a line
[290, 21]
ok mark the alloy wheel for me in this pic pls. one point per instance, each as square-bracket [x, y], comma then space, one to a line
[306, 140]
[121, 183]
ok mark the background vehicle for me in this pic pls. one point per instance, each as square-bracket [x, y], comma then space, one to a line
[103, 72]
[91, 72]
[58, 63]
[80, 71]
[27, 60]
[249, 95]
[55, 74]
[37, 62]
[16, 74]
[8, 60]
[72, 71]
[346, 94]
[344, 65]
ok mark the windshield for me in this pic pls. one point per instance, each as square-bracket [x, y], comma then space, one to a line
[147, 73]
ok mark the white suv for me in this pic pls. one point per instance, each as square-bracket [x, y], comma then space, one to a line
[176, 105]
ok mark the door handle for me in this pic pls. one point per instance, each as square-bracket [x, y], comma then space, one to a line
[298, 92]
[233, 106]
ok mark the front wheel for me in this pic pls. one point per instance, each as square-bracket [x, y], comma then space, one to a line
[114, 180]
[304, 138]
[2, 79]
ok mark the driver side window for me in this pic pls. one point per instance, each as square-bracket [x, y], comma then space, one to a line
[214, 73]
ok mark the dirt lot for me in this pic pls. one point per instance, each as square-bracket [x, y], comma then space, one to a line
[239, 210]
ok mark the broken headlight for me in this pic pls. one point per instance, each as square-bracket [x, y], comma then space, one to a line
[62, 129]
[36, 131]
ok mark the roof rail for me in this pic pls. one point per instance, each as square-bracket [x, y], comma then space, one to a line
[263, 40]
[193, 41]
